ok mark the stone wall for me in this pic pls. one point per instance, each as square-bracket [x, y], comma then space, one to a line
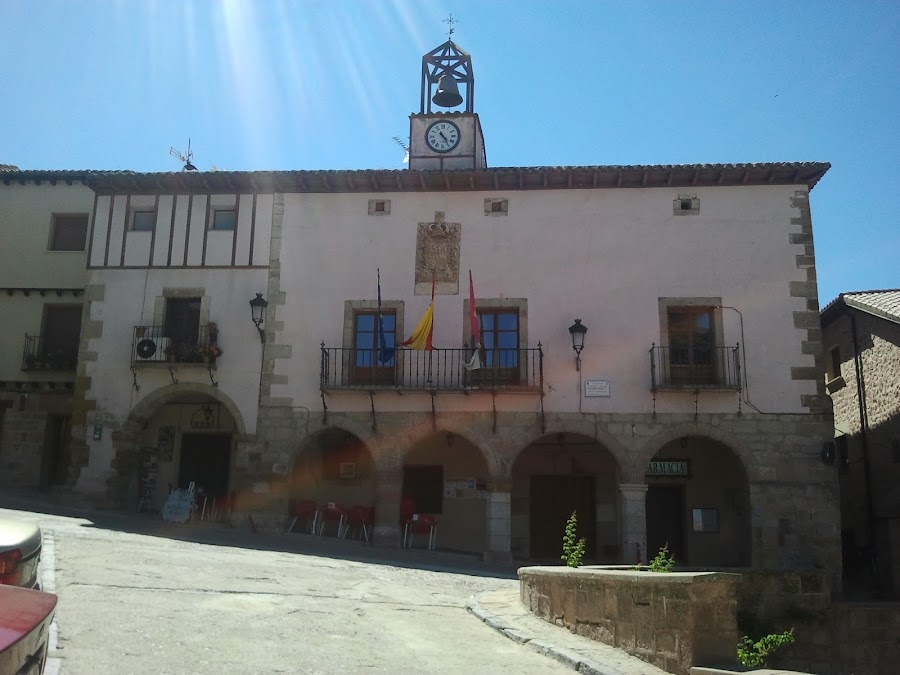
[865, 639]
[878, 342]
[22, 445]
[671, 620]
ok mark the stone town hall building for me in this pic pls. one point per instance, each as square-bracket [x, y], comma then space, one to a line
[694, 415]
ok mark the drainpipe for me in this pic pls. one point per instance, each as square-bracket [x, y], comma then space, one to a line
[864, 437]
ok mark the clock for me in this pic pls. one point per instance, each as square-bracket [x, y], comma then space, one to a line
[442, 136]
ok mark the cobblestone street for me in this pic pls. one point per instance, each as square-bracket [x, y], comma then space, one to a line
[148, 603]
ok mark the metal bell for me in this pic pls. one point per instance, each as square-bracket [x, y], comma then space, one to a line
[447, 95]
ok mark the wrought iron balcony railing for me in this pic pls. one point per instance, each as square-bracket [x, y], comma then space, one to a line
[695, 367]
[435, 370]
[155, 344]
[41, 353]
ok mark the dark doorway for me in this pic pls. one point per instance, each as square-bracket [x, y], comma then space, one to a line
[553, 498]
[60, 333]
[665, 520]
[55, 460]
[205, 461]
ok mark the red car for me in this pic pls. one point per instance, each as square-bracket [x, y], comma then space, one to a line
[25, 618]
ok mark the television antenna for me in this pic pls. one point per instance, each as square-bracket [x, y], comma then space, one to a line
[405, 147]
[185, 157]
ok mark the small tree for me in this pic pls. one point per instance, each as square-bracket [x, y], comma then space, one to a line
[573, 552]
[755, 654]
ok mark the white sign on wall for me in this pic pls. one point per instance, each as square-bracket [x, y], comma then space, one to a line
[596, 388]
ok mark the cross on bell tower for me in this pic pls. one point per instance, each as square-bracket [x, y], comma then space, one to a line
[439, 139]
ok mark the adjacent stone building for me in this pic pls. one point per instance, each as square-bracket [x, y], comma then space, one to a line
[44, 220]
[861, 336]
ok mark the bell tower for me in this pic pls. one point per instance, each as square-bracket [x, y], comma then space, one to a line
[440, 140]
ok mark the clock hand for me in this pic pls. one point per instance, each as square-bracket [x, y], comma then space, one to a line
[444, 137]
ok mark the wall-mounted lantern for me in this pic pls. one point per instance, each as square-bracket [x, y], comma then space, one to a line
[258, 308]
[577, 331]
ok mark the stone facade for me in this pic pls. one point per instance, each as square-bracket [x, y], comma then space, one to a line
[876, 376]
[673, 621]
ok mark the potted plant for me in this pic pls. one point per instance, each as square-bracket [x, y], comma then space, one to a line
[140, 331]
[209, 353]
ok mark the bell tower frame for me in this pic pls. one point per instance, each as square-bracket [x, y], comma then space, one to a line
[448, 59]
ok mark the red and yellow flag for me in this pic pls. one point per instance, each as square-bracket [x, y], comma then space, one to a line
[421, 336]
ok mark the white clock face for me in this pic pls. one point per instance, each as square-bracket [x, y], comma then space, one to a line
[442, 136]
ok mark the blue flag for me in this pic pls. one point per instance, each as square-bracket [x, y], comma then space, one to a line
[385, 355]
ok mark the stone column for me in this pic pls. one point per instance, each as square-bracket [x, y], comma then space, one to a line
[634, 522]
[388, 491]
[497, 515]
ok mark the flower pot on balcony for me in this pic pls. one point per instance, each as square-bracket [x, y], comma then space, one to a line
[140, 331]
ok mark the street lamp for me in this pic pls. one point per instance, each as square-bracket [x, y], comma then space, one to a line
[257, 309]
[577, 331]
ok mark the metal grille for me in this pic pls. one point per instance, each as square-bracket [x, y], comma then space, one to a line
[435, 370]
[695, 367]
[156, 344]
[40, 353]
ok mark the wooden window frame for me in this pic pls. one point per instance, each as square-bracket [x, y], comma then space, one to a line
[493, 356]
[132, 218]
[215, 213]
[362, 374]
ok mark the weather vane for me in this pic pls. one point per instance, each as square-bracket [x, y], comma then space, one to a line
[450, 21]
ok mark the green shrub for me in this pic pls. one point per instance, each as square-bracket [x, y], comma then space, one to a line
[755, 654]
[573, 552]
[663, 562]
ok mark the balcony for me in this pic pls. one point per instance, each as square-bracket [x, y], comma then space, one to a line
[43, 353]
[690, 368]
[510, 370]
[156, 344]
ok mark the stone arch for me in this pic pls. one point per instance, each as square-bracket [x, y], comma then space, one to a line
[610, 443]
[127, 441]
[646, 452]
[147, 406]
[422, 433]
[704, 513]
[447, 474]
[333, 464]
[559, 472]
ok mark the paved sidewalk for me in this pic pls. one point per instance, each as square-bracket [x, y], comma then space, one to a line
[503, 611]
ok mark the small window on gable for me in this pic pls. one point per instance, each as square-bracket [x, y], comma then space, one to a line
[68, 232]
[379, 207]
[834, 363]
[224, 219]
[686, 205]
[143, 220]
[496, 207]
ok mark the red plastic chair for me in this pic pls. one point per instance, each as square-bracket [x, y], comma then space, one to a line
[421, 523]
[407, 509]
[361, 519]
[332, 513]
[303, 509]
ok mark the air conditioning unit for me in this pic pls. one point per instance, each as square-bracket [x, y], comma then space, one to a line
[151, 349]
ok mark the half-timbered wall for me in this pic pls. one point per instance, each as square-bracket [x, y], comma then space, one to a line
[182, 235]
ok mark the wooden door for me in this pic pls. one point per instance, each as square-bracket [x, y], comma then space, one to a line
[553, 498]
[665, 520]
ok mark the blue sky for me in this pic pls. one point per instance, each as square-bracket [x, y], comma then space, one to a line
[325, 84]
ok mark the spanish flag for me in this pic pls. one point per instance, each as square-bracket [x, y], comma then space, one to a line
[421, 336]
